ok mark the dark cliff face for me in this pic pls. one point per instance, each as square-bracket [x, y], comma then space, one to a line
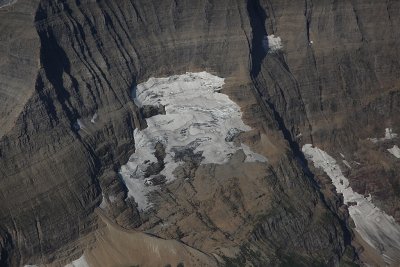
[65, 61]
[336, 83]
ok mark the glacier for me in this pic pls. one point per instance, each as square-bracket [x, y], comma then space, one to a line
[199, 120]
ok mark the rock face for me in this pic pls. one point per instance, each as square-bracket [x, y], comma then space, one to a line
[335, 83]
[67, 121]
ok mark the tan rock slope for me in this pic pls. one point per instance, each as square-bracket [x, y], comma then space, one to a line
[67, 119]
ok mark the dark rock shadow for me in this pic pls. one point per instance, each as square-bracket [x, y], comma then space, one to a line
[259, 42]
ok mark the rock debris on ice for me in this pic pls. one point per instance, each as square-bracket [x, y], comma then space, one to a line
[395, 151]
[199, 122]
[377, 228]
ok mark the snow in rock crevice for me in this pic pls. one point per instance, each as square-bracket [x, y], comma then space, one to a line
[395, 151]
[199, 122]
[389, 135]
[376, 227]
[94, 118]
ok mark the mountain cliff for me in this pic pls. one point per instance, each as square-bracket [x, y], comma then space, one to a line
[68, 69]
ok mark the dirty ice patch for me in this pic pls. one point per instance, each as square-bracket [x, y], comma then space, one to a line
[395, 151]
[272, 43]
[199, 124]
[377, 228]
[389, 134]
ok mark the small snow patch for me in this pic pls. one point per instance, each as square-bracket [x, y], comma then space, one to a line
[272, 44]
[94, 118]
[389, 134]
[103, 203]
[79, 125]
[81, 262]
[377, 228]
[395, 151]
[345, 162]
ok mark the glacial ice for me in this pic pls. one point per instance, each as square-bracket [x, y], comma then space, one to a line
[377, 228]
[198, 119]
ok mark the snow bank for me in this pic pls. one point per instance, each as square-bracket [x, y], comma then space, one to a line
[395, 151]
[389, 134]
[272, 43]
[377, 228]
[199, 120]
